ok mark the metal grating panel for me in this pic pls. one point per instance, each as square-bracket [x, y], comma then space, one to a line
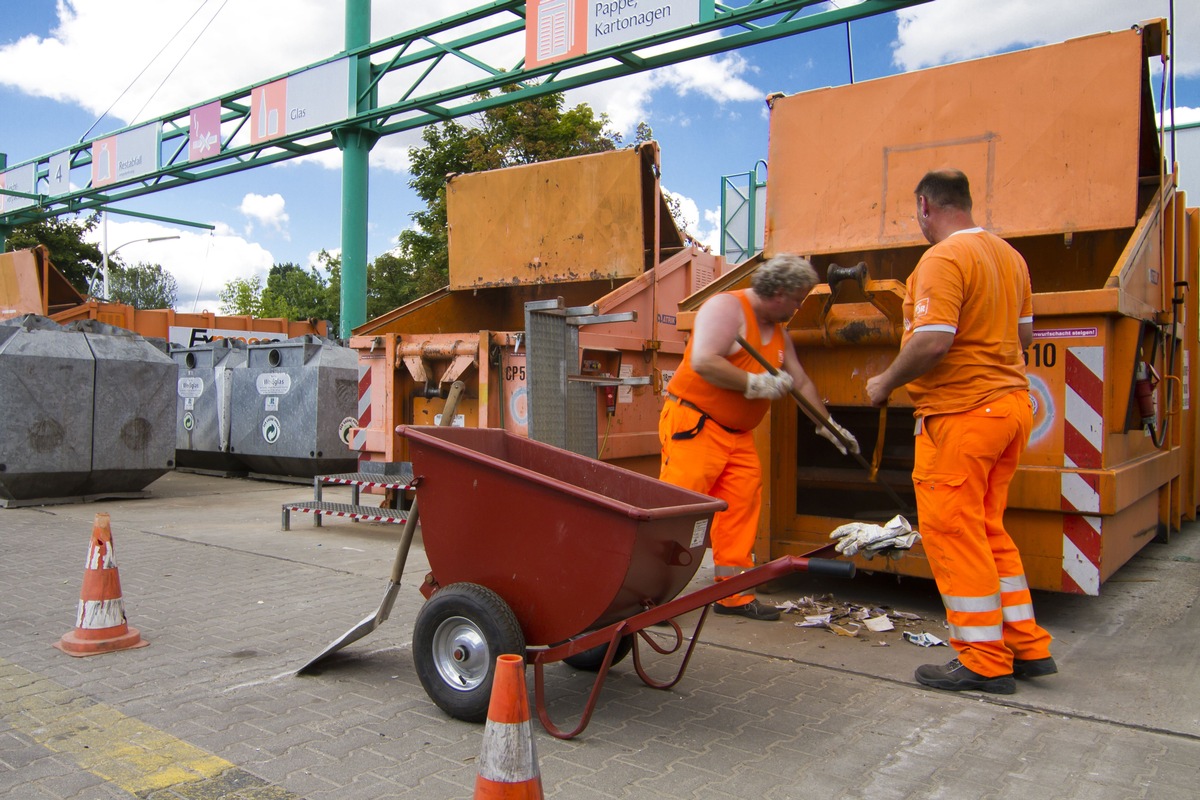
[561, 412]
[546, 344]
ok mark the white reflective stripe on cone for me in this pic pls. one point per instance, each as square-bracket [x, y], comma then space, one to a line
[510, 755]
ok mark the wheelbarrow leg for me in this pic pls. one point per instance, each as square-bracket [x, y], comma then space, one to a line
[687, 657]
[539, 689]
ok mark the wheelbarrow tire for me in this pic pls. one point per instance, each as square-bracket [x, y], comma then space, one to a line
[456, 638]
[591, 660]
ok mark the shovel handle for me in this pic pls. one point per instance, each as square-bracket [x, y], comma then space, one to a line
[813, 414]
[877, 458]
[410, 522]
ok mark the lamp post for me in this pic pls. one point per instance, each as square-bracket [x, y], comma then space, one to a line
[106, 253]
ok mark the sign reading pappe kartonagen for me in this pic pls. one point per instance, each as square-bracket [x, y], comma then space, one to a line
[559, 29]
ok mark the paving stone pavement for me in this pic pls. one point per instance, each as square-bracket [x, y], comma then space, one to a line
[232, 606]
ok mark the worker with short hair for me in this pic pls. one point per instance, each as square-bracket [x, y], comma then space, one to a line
[718, 396]
[968, 318]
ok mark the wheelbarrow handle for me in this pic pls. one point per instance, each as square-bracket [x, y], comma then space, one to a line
[831, 567]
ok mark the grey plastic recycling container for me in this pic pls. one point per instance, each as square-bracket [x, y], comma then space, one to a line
[204, 413]
[293, 406]
[87, 412]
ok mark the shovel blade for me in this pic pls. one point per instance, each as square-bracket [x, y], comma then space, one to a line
[360, 630]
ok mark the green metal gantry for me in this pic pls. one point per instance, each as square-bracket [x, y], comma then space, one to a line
[419, 74]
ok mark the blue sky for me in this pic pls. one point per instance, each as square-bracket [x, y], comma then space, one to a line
[64, 64]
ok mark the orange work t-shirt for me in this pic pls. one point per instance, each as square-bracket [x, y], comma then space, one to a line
[728, 407]
[975, 285]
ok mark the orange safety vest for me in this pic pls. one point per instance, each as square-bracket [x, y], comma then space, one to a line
[729, 407]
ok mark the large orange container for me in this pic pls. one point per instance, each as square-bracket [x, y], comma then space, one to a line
[626, 256]
[31, 284]
[1061, 147]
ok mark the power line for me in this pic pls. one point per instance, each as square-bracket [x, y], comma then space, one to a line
[148, 65]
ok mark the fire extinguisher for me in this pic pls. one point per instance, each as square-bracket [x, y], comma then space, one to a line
[610, 400]
[1144, 385]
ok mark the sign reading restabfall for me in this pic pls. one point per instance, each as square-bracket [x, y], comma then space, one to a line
[299, 102]
[130, 154]
[559, 29]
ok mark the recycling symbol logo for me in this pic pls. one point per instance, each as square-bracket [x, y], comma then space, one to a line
[271, 429]
[189, 422]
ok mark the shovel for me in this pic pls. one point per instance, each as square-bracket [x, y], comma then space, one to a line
[376, 619]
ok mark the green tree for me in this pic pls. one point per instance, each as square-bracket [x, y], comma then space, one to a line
[293, 293]
[242, 296]
[538, 129]
[290, 292]
[392, 281]
[141, 285]
[63, 237]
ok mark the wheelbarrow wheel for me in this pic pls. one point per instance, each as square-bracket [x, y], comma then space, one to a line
[591, 660]
[457, 636]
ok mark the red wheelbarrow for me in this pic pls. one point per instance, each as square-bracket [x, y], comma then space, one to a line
[553, 556]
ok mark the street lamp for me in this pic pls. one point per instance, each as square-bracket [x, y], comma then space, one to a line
[106, 253]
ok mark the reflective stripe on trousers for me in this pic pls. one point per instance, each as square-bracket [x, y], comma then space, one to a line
[963, 467]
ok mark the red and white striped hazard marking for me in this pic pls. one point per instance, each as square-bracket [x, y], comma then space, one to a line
[307, 508]
[368, 484]
[359, 439]
[1083, 448]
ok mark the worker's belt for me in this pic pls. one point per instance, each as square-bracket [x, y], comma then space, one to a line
[692, 433]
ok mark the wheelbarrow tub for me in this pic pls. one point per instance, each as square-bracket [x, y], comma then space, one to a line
[570, 543]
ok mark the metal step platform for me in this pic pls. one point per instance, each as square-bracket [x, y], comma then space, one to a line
[392, 476]
[354, 512]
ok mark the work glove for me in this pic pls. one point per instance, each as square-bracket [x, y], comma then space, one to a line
[765, 386]
[870, 539]
[825, 433]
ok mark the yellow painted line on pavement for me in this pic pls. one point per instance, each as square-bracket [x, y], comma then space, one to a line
[126, 752]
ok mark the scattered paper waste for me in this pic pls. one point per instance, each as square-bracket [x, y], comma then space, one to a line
[923, 639]
[846, 619]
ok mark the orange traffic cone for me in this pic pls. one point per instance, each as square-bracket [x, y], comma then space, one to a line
[100, 625]
[508, 765]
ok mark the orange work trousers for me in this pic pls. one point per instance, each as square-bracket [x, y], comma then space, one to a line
[720, 464]
[963, 467]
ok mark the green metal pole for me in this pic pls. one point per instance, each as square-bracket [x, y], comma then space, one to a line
[5, 230]
[355, 143]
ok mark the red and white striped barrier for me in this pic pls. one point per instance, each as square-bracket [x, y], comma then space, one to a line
[1083, 448]
[359, 440]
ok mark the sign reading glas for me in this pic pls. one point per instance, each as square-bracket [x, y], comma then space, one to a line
[308, 99]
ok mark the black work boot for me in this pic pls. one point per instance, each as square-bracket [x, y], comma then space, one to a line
[1034, 667]
[752, 610]
[956, 677]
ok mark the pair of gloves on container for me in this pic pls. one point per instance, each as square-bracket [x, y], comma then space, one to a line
[856, 537]
[765, 386]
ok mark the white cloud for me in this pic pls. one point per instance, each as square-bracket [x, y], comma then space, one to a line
[627, 100]
[212, 49]
[266, 210]
[1184, 116]
[953, 30]
[704, 226]
[202, 262]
